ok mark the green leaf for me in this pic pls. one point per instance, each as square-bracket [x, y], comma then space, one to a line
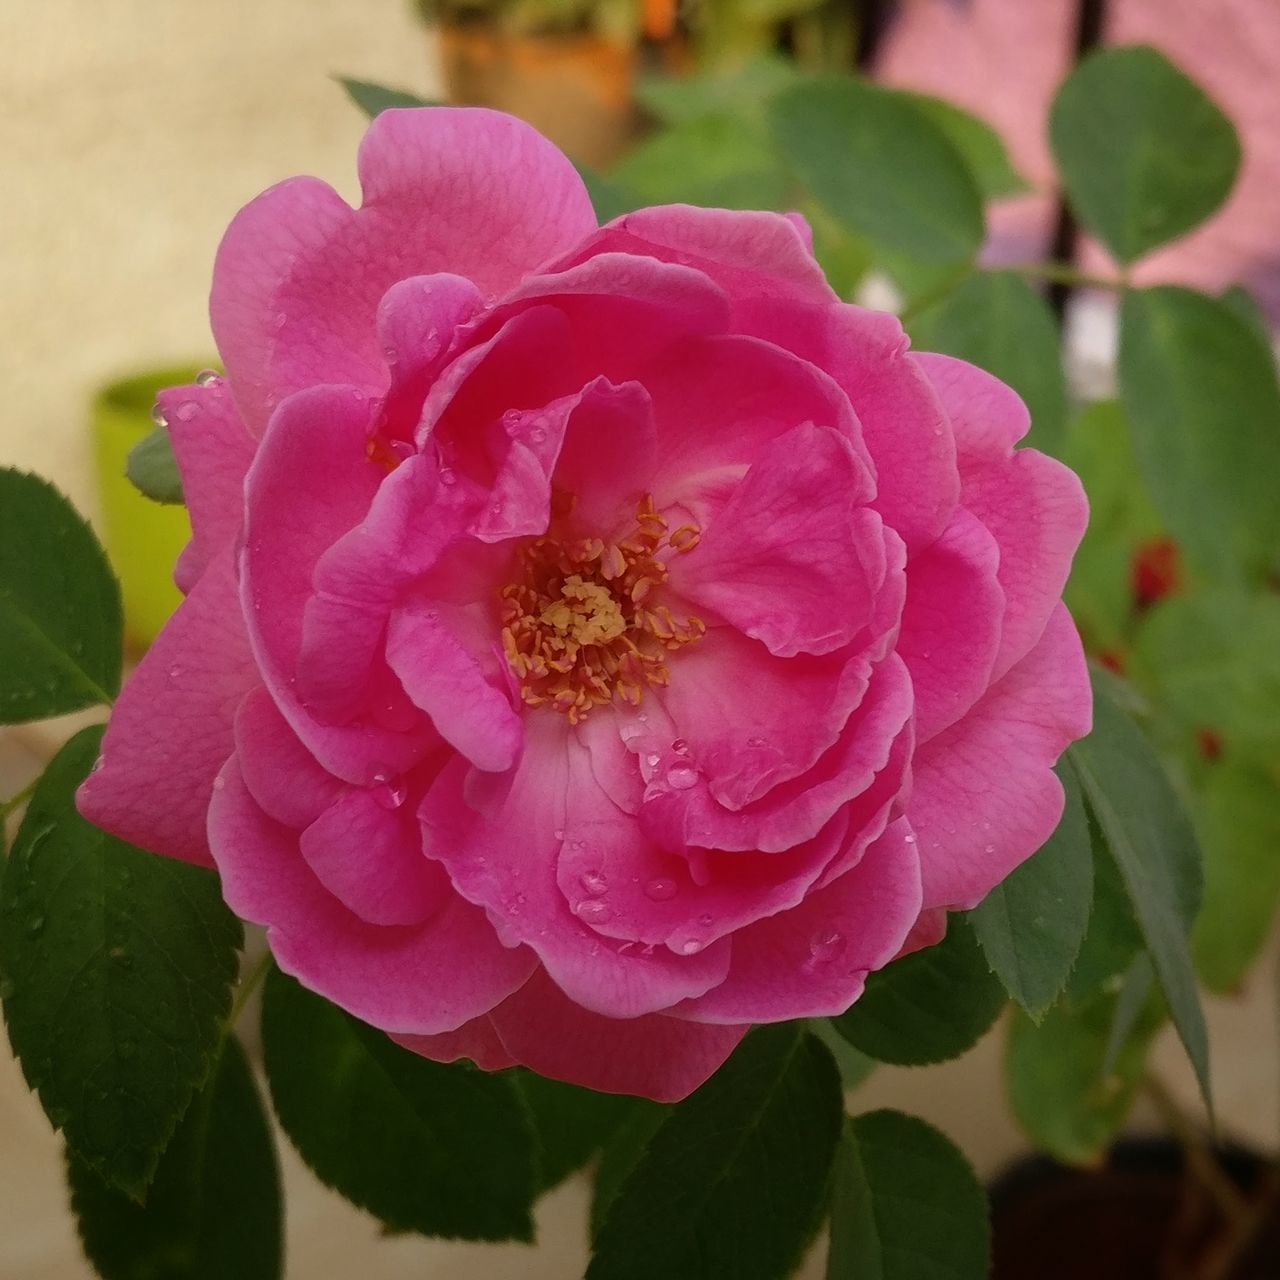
[1247, 308]
[855, 1066]
[446, 1150]
[929, 1006]
[373, 99]
[977, 142]
[1238, 821]
[723, 161]
[1132, 1001]
[621, 1155]
[1061, 1097]
[905, 1204]
[881, 165]
[60, 623]
[1143, 153]
[1031, 927]
[116, 968]
[1199, 390]
[996, 320]
[570, 1124]
[153, 470]
[731, 1187]
[1146, 831]
[1212, 660]
[213, 1209]
[1112, 938]
[744, 90]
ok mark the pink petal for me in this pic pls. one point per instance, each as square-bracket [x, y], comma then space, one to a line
[718, 402]
[789, 559]
[472, 713]
[171, 729]
[655, 1057]
[415, 979]
[1036, 510]
[951, 625]
[476, 1040]
[501, 851]
[281, 774]
[762, 257]
[904, 423]
[214, 451]
[311, 482]
[366, 849]
[680, 817]
[987, 416]
[299, 275]
[985, 797]
[812, 960]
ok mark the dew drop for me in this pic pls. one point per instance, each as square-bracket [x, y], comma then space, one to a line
[592, 911]
[208, 378]
[682, 776]
[661, 889]
[989, 849]
[219, 783]
[447, 477]
[596, 883]
[186, 410]
[97, 764]
[281, 319]
[825, 946]
[652, 760]
[158, 416]
[389, 793]
[174, 672]
[558, 833]
[690, 947]
[680, 747]
[538, 435]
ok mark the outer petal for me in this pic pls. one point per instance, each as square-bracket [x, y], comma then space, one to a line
[500, 846]
[214, 451]
[655, 1057]
[476, 1040]
[812, 961]
[987, 416]
[171, 730]
[311, 482]
[420, 979]
[299, 274]
[951, 625]
[985, 796]
[1036, 510]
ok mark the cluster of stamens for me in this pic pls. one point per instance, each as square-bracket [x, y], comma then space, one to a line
[583, 626]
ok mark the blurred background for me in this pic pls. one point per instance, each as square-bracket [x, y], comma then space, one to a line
[131, 132]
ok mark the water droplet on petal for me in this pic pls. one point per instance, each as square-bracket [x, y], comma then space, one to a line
[690, 947]
[389, 793]
[825, 946]
[97, 764]
[592, 911]
[661, 889]
[682, 776]
[447, 477]
[680, 746]
[187, 410]
[281, 319]
[219, 783]
[174, 672]
[705, 919]
[208, 378]
[989, 849]
[558, 833]
[596, 883]
[652, 760]
[158, 416]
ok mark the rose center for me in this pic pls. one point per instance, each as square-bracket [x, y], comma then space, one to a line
[584, 622]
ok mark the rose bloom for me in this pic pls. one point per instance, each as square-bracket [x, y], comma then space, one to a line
[597, 639]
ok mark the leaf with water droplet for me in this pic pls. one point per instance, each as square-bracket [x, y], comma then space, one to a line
[60, 621]
[117, 966]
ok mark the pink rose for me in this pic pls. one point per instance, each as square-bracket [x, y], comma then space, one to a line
[597, 640]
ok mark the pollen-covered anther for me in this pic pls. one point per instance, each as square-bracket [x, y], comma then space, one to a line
[583, 626]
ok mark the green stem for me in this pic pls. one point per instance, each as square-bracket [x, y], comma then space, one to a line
[1065, 273]
[248, 986]
[18, 800]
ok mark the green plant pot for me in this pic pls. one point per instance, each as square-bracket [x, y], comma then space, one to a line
[142, 538]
